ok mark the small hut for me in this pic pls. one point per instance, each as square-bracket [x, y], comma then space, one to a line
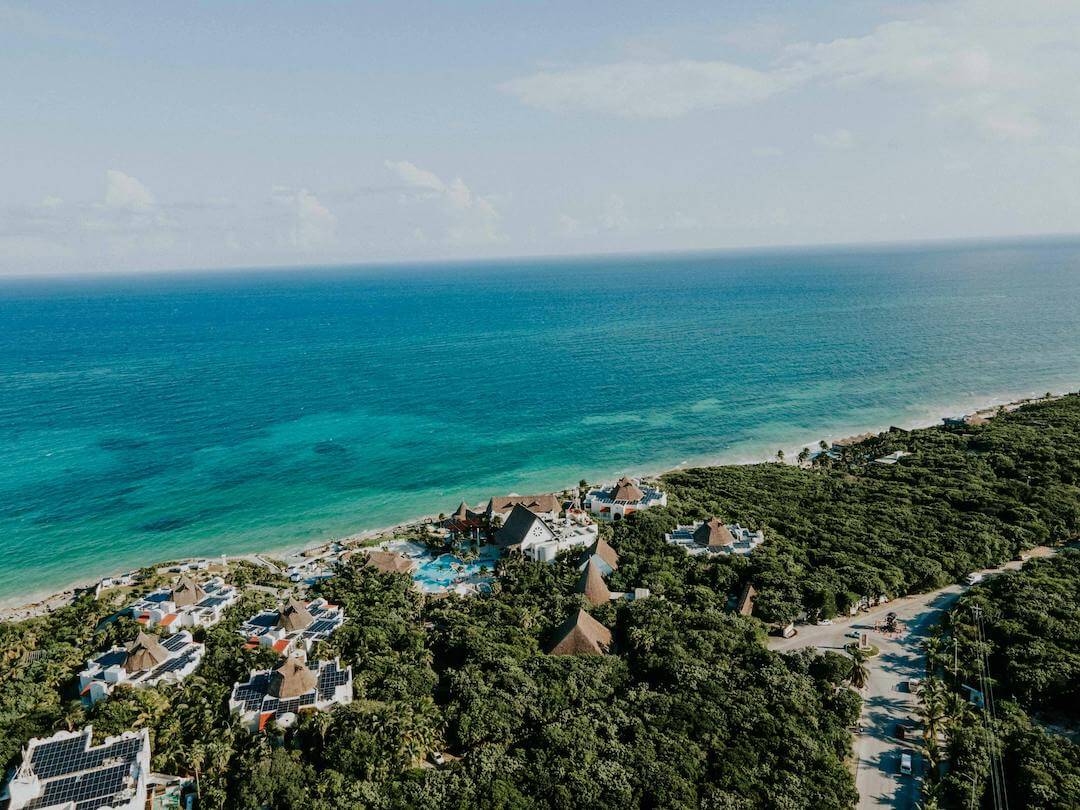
[581, 634]
[144, 654]
[292, 679]
[294, 617]
[591, 584]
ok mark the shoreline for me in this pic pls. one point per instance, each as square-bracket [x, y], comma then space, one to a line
[30, 605]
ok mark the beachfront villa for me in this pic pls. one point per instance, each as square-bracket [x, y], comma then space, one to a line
[621, 499]
[581, 634]
[542, 539]
[293, 626]
[547, 507]
[605, 557]
[67, 772]
[713, 536]
[185, 603]
[282, 694]
[147, 661]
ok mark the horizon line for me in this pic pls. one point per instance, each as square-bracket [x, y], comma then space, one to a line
[538, 257]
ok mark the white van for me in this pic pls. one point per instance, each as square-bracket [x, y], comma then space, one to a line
[905, 764]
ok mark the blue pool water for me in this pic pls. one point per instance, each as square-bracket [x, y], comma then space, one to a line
[154, 417]
[447, 570]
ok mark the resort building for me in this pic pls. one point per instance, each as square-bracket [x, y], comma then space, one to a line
[713, 536]
[147, 661]
[294, 687]
[623, 498]
[605, 557]
[547, 507]
[294, 626]
[66, 772]
[581, 634]
[390, 562]
[185, 603]
[540, 539]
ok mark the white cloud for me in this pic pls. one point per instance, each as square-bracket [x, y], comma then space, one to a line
[122, 191]
[767, 151]
[312, 225]
[647, 90]
[472, 219]
[837, 139]
[1009, 69]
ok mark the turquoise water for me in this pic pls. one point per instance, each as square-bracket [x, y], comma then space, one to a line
[447, 570]
[147, 418]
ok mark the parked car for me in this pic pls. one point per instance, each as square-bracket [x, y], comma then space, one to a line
[904, 731]
[825, 623]
[905, 764]
[913, 685]
[852, 634]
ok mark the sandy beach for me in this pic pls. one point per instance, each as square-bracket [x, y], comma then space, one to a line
[18, 608]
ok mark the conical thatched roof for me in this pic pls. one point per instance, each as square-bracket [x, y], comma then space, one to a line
[713, 533]
[389, 562]
[581, 634]
[591, 584]
[294, 617]
[626, 490]
[145, 653]
[746, 601]
[462, 512]
[187, 591]
[292, 679]
[600, 549]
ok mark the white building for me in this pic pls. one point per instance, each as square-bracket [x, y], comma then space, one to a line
[66, 772]
[294, 626]
[282, 694]
[713, 536]
[623, 498]
[147, 661]
[892, 458]
[185, 603]
[540, 539]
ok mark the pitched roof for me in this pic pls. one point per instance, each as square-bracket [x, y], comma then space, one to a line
[591, 583]
[389, 562]
[294, 616]
[517, 526]
[746, 601]
[601, 549]
[187, 591]
[713, 533]
[626, 490]
[292, 679]
[581, 634]
[534, 503]
[144, 653]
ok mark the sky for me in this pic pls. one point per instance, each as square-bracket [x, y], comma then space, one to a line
[142, 136]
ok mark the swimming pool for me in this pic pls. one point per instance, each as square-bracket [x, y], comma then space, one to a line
[447, 571]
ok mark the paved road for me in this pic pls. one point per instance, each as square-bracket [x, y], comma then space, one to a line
[886, 700]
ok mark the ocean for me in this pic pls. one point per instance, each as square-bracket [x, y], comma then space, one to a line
[153, 417]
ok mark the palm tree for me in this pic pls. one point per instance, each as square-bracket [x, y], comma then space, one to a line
[932, 708]
[780, 456]
[804, 454]
[859, 674]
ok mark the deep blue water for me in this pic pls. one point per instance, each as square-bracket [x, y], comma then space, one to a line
[147, 418]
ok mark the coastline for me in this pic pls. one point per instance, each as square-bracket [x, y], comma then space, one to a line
[30, 605]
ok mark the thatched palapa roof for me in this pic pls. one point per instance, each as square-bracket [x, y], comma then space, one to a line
[537, 504]
[601, 549]
[591, 584]
[294, 617]
[746, 601]
[187, 591]
[389, 562]
[145, 653]
[713, 533]
[581, 634]
[292, 679]
[626, 490]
